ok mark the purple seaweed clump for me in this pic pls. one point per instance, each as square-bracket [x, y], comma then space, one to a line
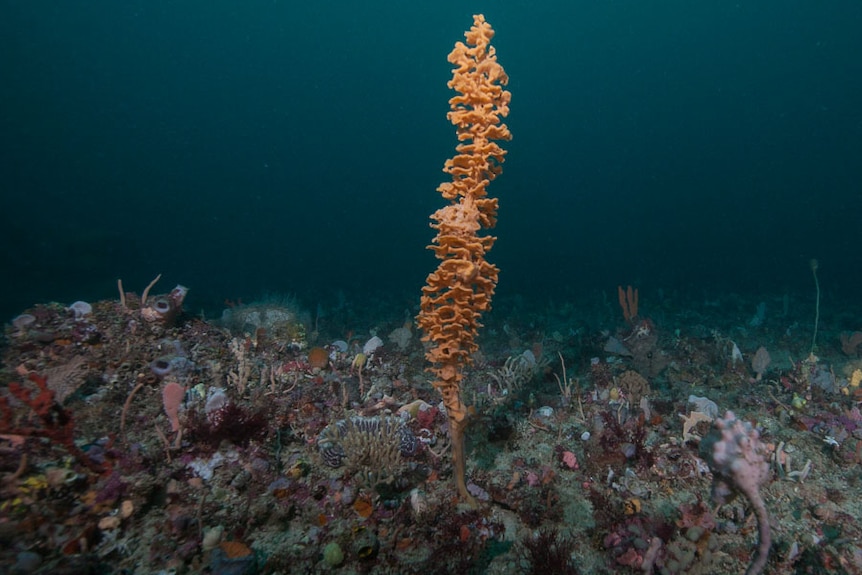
[231, 423]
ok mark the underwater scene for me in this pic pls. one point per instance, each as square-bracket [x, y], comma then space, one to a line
[431, 287]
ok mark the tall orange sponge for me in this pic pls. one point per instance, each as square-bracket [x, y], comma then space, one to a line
[460, 289]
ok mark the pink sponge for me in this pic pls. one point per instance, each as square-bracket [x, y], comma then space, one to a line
[738, 462]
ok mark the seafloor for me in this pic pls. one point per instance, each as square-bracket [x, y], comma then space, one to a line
[150, 440]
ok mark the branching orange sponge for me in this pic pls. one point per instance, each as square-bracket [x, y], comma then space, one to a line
[461, 288]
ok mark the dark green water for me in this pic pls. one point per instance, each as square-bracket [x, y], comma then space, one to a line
[244, 148]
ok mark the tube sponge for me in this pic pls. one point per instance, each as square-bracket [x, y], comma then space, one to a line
[164, 309]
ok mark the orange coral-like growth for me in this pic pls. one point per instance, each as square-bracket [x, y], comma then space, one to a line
[460, 289]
